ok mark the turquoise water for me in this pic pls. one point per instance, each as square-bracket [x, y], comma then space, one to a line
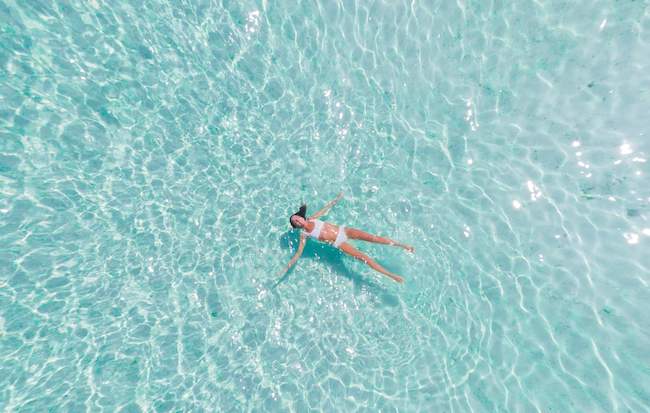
[150, 155]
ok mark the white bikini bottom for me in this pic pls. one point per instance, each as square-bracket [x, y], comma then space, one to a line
[341, 237]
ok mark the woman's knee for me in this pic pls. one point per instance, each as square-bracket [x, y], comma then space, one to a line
[364, 258]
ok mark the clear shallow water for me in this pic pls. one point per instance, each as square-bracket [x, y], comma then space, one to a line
[150, 156]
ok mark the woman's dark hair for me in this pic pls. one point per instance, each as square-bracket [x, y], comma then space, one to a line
[302, 212]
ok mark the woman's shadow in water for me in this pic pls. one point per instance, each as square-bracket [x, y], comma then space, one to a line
[333, 257]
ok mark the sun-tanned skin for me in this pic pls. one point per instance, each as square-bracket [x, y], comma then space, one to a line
[329, 232]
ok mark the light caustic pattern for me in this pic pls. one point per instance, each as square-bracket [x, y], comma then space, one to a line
[151, 153]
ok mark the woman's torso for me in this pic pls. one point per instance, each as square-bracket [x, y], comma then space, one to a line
[323, 231]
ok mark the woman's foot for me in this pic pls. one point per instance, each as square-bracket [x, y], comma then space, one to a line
[397, 278]
[407, 248]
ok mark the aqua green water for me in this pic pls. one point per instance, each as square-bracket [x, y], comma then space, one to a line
[150, 155]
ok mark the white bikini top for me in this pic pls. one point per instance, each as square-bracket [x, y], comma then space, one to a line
[318, 225]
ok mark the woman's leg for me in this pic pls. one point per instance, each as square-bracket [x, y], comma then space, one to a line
[364, 236]
[350, 250]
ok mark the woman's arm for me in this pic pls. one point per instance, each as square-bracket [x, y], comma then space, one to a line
[326, 208]
[301, 246]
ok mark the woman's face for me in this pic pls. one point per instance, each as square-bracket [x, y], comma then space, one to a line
[298, 221]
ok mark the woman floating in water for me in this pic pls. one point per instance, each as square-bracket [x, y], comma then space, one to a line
[338, 236]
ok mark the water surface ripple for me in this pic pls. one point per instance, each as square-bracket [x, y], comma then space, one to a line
[151, 153]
